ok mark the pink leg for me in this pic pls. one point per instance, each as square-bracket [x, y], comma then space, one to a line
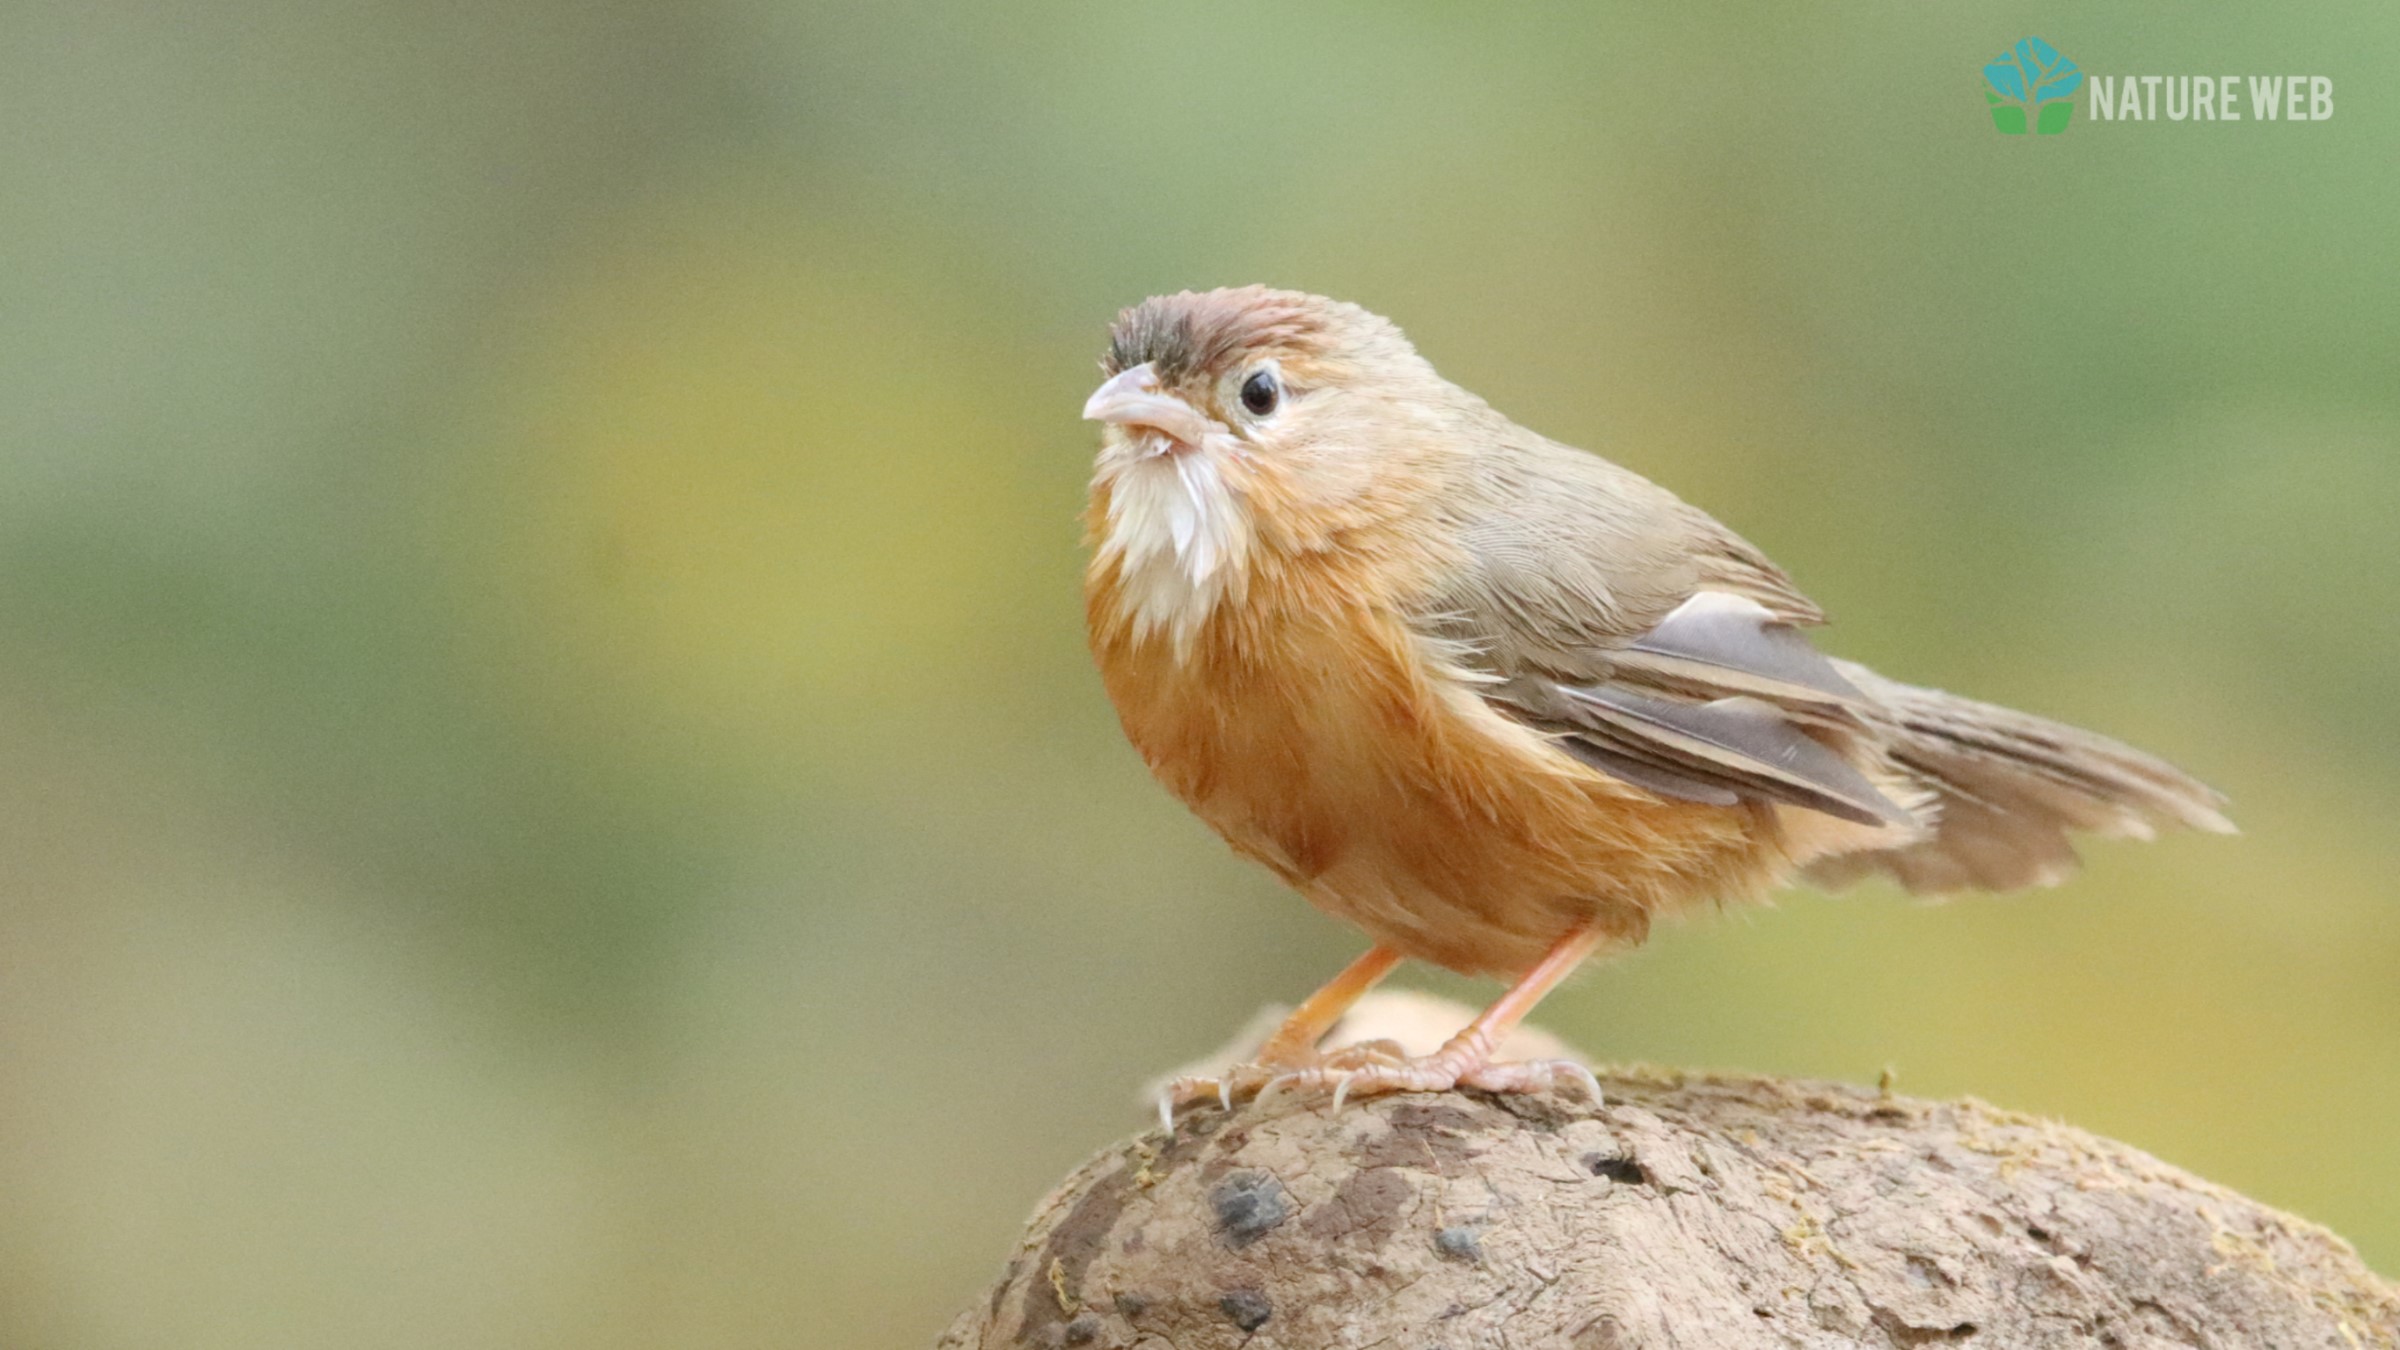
[1466, 1060]
[1295, 1042]
[1293, 1047]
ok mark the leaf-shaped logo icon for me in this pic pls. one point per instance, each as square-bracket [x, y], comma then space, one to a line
[2029, 87]
[2055, 75]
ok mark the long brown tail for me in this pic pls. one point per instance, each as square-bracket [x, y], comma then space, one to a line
[2011, 789]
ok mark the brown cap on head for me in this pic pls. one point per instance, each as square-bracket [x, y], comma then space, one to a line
[1195, 332]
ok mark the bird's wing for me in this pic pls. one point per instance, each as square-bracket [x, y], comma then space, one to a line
[1651, 642]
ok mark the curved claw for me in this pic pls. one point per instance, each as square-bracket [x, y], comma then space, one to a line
[1341, 1090]
[1278, 1083]
[1532, 1075]
[1225, 1094]
[1191, 1090]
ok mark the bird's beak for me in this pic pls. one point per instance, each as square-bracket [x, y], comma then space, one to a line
[1131, 398]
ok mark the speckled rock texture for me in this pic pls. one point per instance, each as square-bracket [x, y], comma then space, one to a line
[1713, 1213]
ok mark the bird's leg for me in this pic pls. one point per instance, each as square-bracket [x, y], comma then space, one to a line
[1466, 1060]
[1294, 1044]
[1472, 1048]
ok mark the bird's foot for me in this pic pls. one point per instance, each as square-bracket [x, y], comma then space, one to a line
[1438, 1072]
[1372, 1069]
[1250, 1081]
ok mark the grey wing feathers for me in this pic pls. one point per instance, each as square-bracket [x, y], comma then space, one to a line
[1720, 703]
[1655, 644]
[1718, 641]
[1722, 751]
[2010, 788]
[1748, 743]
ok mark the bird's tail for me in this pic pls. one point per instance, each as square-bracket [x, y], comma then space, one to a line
[2011, 788]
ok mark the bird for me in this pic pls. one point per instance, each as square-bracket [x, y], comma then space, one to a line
[1500, 702]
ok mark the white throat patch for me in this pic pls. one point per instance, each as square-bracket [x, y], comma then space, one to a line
[1181, 532]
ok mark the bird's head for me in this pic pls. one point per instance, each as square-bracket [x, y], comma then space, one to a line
[1236, 419]
[1241, 371]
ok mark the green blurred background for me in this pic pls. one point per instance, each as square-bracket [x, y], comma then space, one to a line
[550, 791]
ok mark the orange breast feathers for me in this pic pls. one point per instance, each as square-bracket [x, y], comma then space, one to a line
[1299, 715]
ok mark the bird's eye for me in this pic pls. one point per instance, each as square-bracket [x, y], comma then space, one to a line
[1260, 393]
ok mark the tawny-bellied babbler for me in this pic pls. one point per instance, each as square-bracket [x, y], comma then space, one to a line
[1498, 701]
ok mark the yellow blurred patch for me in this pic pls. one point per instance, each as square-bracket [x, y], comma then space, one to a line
[751, 488]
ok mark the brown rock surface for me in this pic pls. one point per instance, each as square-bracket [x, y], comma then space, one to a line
[1715, 1212]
